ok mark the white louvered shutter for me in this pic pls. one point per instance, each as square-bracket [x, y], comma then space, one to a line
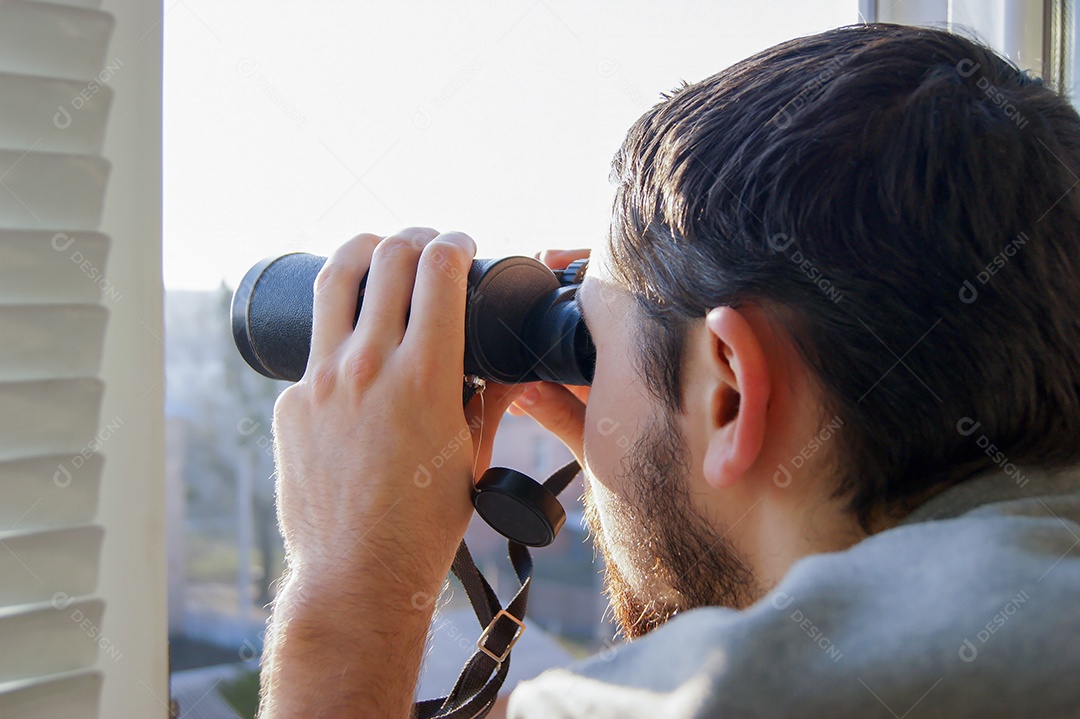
[53, 114]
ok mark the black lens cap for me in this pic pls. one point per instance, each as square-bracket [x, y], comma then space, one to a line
[518, 507]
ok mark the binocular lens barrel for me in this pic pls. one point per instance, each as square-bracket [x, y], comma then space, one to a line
[522, 323]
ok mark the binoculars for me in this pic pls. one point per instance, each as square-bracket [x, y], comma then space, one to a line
[522, 320]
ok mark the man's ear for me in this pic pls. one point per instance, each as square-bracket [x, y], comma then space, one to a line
[739, 403]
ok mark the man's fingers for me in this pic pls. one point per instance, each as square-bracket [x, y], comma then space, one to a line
[389, 288]
[558, 259]
[337, 290]
[436, 332]
[558, 411]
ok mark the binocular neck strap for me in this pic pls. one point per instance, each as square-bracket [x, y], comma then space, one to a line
[477, 687]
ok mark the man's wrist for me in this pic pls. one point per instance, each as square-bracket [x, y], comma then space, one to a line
[312, 594]
[361, 643]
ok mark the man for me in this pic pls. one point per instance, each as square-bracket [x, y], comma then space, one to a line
[830, 441]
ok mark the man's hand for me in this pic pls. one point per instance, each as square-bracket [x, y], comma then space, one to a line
[375, 460]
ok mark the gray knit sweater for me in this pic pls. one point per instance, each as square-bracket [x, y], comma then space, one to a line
[968, 608]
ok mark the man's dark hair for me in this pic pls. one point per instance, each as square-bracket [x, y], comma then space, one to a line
[903, 199]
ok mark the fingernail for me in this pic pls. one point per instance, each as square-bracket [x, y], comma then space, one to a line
[528, 396]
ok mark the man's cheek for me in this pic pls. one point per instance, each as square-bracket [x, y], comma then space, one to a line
[607, 441]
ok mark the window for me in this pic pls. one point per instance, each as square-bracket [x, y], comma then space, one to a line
[1062, 61]
[296, 129]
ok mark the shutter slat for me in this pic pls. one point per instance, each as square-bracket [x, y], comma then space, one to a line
[36, 566]
[52, 115]
[65, 636]
[45, 266]
[50, 492]
[51, 341]
[38, 38]
[47, 189]
[48, 417]
[71, 696]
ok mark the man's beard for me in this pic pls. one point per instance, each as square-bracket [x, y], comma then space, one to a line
[675, 557]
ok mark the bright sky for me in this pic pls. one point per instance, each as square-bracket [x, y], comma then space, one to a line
[294, 126]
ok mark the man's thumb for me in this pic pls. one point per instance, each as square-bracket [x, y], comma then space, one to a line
[558, 411]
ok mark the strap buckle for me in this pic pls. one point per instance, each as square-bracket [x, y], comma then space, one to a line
[480, 643]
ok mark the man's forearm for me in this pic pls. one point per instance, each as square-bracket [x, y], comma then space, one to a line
[370, 537]
[334, 653]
